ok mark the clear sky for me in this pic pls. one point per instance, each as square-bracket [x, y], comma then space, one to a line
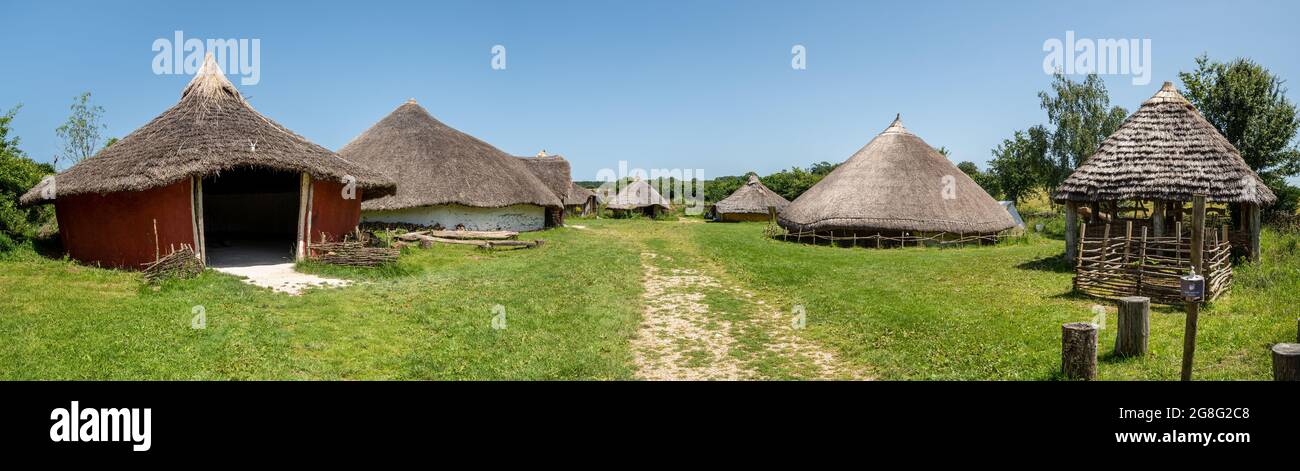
[700, 84]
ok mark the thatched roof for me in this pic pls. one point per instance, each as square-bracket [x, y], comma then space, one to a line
[638, 194]
[579, 195]
[1165, 151]
[435, 164]
[751, 198]
[210, 130]
[553, 171]
[896, 182]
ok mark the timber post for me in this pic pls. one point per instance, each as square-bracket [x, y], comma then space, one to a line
[1134, 326]
[1194, 306]
[1286, 362]
[1079, 350]
[1071, 231]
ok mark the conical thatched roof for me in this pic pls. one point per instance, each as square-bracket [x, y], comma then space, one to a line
[435, 164]
[1166, 151]
[751, 198]
[211, 129]
[639, 194]
[896, 182]
[553, 171]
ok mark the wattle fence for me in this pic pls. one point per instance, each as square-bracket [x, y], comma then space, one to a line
[1119, 263]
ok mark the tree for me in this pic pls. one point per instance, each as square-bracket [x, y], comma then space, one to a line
[985, 180]
[1081, 117]
[110, 142]
[1248, 105]
[18, 173]
[81, 133]
[1018, 163]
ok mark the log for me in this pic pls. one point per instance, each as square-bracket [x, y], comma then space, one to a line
[1286, 362]
[1134, 326]
[1079, 350]
[486, 244]
[483, 235]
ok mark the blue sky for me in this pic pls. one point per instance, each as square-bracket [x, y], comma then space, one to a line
[702, 84]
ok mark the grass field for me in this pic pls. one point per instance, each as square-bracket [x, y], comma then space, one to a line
[573, 309]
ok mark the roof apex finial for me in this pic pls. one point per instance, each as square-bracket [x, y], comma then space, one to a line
[209, 79]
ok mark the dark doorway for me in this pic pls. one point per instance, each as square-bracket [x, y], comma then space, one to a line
[250, 216]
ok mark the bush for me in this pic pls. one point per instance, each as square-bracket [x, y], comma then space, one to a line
[17, 175]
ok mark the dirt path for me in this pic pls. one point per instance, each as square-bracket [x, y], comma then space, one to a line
[698, 324]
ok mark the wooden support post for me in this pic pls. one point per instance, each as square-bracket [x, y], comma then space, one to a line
[300, 251]
[194, 220]
[1142, 262]
[1194, 307]
[203, 237]
[1071, 231]
[1134, 326]
[1128, 241]
[1079, 350]
[1083, 234]
[1286, 362]
[1157, 217]
[1254, 231]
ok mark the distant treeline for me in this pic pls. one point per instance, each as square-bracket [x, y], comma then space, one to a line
[787, 183]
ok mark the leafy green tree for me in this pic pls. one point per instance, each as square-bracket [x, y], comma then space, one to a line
[1018, 163]
[1248, 105]
[984, 179]
[81, 132]
[1081, 118]
[18, 173]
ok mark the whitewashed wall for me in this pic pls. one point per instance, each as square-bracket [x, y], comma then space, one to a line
[521, 217]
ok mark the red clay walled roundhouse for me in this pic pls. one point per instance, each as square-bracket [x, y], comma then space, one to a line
[208, 172]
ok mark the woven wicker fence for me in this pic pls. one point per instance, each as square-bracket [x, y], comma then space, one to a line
[1122, 263]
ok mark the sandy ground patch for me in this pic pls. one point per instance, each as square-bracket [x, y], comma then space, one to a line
[280, 277]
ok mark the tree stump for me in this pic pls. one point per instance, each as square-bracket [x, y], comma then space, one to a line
[1079, 350]
[1286, 362]
[1134, 326]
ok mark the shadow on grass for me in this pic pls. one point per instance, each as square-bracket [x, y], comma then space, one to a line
[50, 247]
[1054, 264]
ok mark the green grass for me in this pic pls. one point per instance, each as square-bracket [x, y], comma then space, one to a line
[573, 306]
[428, 318]
[996, 312]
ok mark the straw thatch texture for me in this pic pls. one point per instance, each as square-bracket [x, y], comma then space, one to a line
[1165, 151]
[751, 198]
[579, 195]
[435, 164]
[210, 130]
[896, 182]
[639, 194]
[553, 171]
